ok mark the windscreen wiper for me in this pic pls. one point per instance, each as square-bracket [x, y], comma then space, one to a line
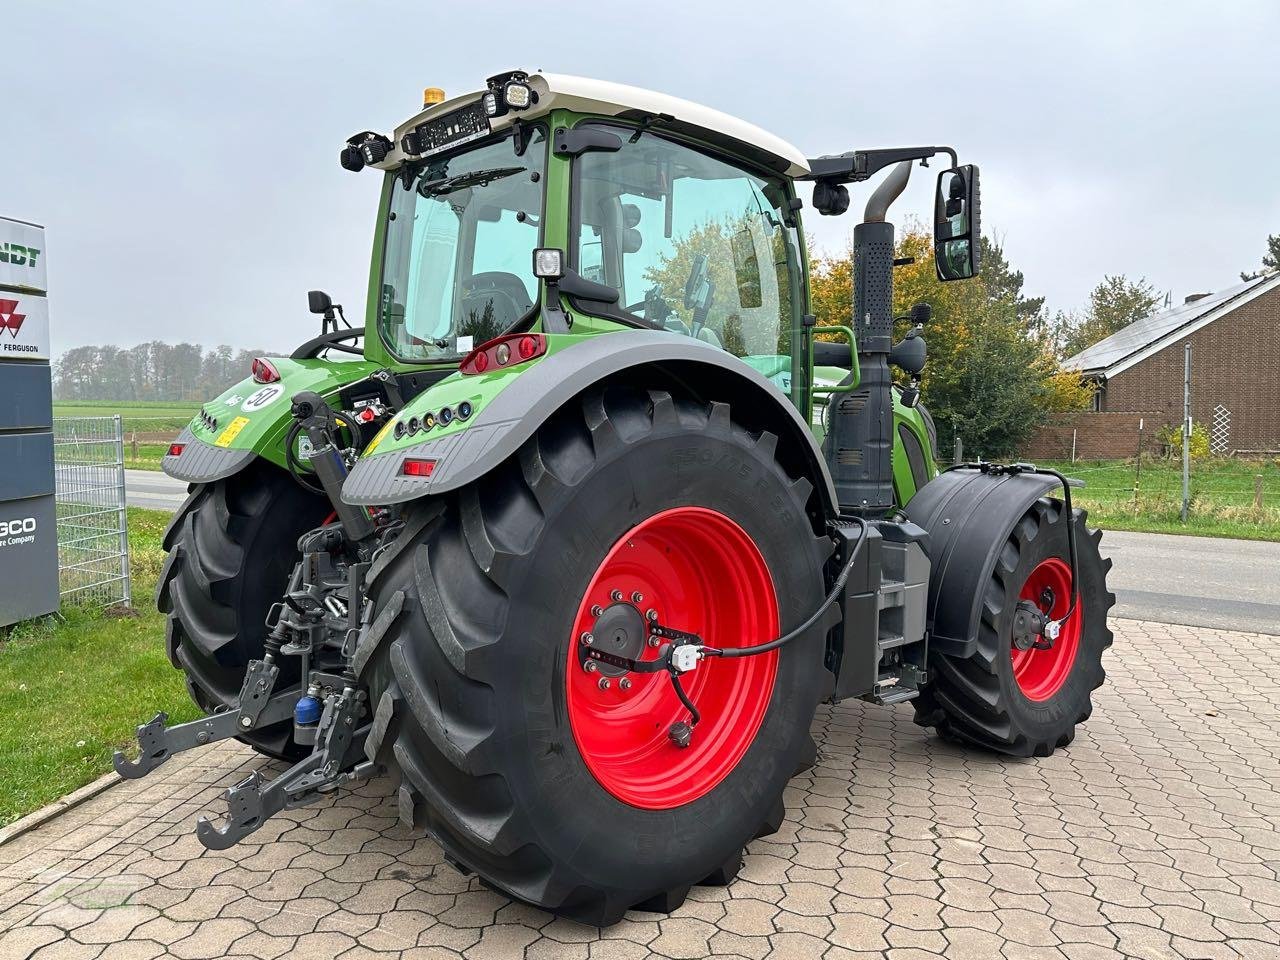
[477, 178]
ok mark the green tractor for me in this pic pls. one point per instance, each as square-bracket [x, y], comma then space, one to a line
[576, 541]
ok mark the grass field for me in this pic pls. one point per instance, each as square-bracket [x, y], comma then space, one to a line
[1222, 496]
[71, 693]
[139, 416]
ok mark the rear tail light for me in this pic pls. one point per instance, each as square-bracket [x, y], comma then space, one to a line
[175, 449]
[504, 351]
[264, 371]
[417, 468]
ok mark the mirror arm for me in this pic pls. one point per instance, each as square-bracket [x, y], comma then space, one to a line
[858, 165]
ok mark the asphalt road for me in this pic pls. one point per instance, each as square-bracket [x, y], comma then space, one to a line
[1195, 581]
[154, 490]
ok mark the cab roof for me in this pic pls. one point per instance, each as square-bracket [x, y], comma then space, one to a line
[583, 95]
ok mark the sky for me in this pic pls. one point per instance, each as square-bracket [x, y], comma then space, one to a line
[184, 157]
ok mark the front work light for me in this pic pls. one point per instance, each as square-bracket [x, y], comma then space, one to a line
[548, 263]
[517, 95]
[490, 101]
[364, 149]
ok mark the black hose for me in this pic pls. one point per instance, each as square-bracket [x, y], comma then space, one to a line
[786, 638]
[694, 715]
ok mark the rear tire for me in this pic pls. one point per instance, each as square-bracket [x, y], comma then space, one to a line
[479, 605]
[1027, 703]
[232, 547]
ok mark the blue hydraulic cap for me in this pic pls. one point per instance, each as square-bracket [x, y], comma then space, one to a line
[307, 711]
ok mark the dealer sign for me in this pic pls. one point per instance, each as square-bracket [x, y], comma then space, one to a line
[22, 260]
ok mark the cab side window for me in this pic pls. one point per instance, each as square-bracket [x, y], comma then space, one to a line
[695, 246]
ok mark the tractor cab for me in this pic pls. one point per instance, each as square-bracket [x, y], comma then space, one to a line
[671, 216]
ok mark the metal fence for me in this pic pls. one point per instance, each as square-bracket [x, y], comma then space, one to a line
[93, 528]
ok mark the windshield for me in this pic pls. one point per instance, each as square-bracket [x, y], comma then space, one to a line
[459, 249]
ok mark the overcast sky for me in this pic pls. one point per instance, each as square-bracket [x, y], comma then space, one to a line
[184, 156]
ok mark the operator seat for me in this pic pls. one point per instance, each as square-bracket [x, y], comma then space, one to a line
[505, 291]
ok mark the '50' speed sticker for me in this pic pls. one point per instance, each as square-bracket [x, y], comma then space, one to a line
[261, 398]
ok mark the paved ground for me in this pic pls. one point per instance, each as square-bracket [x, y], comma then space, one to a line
[1200, 581]
[1154, 836]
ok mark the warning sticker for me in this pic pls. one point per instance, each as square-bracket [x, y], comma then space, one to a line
[232, 431]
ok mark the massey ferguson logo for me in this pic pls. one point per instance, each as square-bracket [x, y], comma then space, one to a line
[10, 318]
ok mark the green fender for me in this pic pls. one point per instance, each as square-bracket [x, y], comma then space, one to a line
[250, 419]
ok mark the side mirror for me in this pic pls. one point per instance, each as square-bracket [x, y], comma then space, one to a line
[318, 301]
[695, 286]
[956, 223]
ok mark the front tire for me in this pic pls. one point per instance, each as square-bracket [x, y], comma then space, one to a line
[1027, 702]
[485, 708]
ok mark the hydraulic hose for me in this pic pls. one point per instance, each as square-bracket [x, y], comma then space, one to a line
[836, 589]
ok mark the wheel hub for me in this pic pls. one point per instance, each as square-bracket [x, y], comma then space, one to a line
[1044, 640]
[620, 629]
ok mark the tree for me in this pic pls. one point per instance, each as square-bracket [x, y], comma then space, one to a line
[1114, 303]
[1003, 282]
[149, 371]
[1270, 259]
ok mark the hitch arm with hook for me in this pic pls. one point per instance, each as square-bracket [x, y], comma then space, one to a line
[256, 708]
[255, 799]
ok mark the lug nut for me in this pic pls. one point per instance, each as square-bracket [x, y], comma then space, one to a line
[624, 683]
[604, 683]
[589, 666]
[587, 639]
[655, 641]
[616, 595]
[651, 615]
[637, 597]
[597, 610]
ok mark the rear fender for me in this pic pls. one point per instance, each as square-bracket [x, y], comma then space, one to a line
[250, 419]
[969, 516]
[511, 404]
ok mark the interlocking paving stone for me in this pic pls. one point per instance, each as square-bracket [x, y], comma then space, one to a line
[1153, 836]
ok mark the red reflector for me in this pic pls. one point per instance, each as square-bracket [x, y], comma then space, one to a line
[418, 468]
[506, 350]
[263, 370]
[175, 449]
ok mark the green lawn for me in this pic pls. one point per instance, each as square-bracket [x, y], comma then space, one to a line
[141, 416]
[71, 693]
[1222, 496]
[148, 458]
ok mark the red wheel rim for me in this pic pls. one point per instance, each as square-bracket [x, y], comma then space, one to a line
[1041, 673]
[703, 574]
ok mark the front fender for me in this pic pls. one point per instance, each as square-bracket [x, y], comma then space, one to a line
[969, 516]
[250, 419]
[510, 405]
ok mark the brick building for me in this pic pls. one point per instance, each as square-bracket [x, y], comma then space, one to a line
[1138, 371]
